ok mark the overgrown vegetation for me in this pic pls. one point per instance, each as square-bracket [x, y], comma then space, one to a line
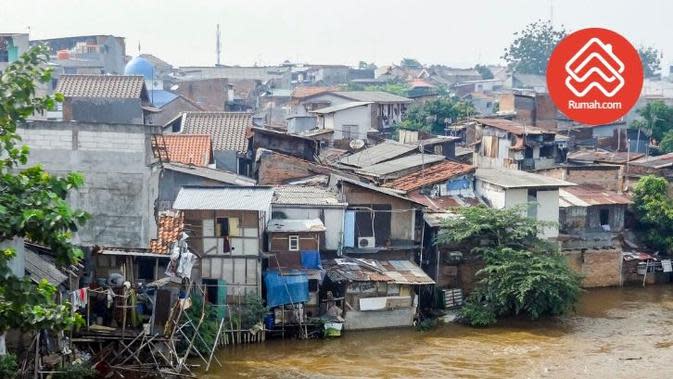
[8, 366]
[530, 51]
[434, 115]
[522, 274]
[656, 121]
[399, 88]
[653, 207]
[32, 203]
[484, 71]
[75, 371]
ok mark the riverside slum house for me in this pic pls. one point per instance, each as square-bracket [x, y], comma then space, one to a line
[361, 220]
[376, 281]
[227, 227]
[306, 225]
[441, 187]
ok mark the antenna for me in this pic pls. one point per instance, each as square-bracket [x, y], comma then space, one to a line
[218, 45]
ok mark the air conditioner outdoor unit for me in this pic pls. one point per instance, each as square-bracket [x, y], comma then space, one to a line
[364, 242]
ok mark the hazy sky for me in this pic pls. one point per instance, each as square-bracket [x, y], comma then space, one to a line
[458, 33]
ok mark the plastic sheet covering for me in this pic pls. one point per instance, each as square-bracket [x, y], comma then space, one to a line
[287, 288]
[310, 259]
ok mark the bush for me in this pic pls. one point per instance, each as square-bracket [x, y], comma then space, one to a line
[522, 274]
[520, 282]
[75, 371]
[8, 366]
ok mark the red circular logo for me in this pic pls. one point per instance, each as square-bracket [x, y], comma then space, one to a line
[594, 76]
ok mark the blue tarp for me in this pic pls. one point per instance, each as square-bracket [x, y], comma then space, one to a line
[284, 289]
[310, 259]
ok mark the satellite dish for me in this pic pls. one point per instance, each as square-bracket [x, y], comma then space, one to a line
[175, 87]
[357, 144]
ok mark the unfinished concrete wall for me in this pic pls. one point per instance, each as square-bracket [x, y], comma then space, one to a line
[355, 320]
[120, 187]
[116, 111]
[600, 267]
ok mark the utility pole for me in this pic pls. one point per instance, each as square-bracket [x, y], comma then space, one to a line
[218, 45]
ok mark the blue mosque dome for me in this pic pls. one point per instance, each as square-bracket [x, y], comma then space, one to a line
[140, 66]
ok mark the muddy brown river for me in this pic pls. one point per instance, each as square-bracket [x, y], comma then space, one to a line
[615, 333]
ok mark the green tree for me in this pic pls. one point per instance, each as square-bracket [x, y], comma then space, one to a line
[651, 60]
[484, 71]
[657, 119]
[410, 63]
[32, 202]
[666, 144]
[529, 52]
[653, 207]
[522, 274]
[433, 115]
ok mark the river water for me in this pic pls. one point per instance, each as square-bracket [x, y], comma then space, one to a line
[615, 333]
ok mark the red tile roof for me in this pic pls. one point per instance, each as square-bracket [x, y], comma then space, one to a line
[171, 224]
[437, 173]
[192, 149]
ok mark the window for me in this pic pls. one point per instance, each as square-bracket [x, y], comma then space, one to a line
[293, 243]
[222, 227]
[532, 204]
[349, 132]
[605, 217]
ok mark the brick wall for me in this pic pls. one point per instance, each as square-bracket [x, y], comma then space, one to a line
[274, 168]
[608, 177]
[600, 267]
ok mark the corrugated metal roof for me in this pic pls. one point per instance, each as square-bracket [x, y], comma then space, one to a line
[370, 156]
[507, 178]
[383, 190]
[435, 173]
[224, 198]
[373, 96]
[659, 161]
[42, 268]
[443, 203]
[511, 126]
[437, 219]
[305, 195]
[341, 107]
[160, 97]
[587, 195]
[302, 92]
[292, 226]
[227, 130]
[399, 164]
[370, 270]
[210, 173]
[101, 86]
[619, 157]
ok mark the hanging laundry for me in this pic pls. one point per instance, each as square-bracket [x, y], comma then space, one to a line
[110, 294]
[79, 298]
